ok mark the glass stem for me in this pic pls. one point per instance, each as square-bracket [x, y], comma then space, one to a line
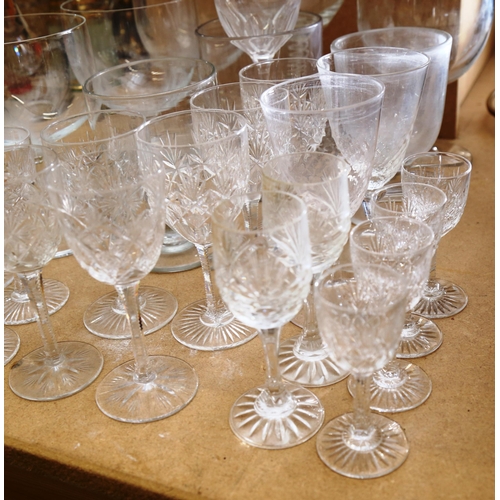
[128, 295]
[362, 415]
[274, 384]
[19, 293]
[310, 340]
[33, 284]
[206, 268]
[366, 205]
[432, 287]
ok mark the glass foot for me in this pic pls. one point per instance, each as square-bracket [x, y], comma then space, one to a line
[106, 316]
[422, 339]
[189, 329]
[17, 309]
[174, 259]
[399, 390]
[368, 455]
[171, 387]
[449, 299]
[37, 378]
[292, 423]
[11, 343]
[313, 370]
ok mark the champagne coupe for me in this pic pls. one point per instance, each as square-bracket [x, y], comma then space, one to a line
[263, 275]
[263, 20]
[90, 135]
[424, 202]
[360, 315]
[111, 208]
[406, 245]
[205, 153]
[451, 173]
[320, 180]
[57, 369]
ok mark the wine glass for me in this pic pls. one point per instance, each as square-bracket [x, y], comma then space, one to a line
[320, 180]
[57, 369]
[436, 44]
[263, 275]
[450, 172]
[406, 245]
[205, 153]
[111, 208]
[263, 20]
[424, 202]
[88, 136]
[360, 314]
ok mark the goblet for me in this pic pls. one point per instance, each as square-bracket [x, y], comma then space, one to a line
[112, 210]
[55, 370]
[451, 173]
[263, 275]
[406, 245]
[360, 315]
[434, 43]
[424, 202]
[320, 180]
[88, 136]
[206, 156]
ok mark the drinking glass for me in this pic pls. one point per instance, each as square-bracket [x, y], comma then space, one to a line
[57, 369]
[111, 208]
[424, 202]
[360, 314]
[436, 44]
[320, 180]
[450, 172]
[205, 153]
[263, 275]
[406, 245]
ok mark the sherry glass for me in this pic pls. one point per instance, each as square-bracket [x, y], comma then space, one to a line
[111, 208]
[406, 245]
[205, 153]
[360, 314]
[450, 172]
[424, 202]
[320, 180]
[263, 275]
[57, 369]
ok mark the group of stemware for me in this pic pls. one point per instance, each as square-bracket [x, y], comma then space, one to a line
[157, 166]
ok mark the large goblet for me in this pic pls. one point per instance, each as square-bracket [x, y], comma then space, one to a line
[320, 180]
[112, 210]
[436, 44]
[360, 314]
[206, 156]
[406, 245]
[88, 136]
[424, 202]
[263, 275]
[450, 172]
[55, 370]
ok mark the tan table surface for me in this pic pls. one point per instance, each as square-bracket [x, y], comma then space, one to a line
[194, 454]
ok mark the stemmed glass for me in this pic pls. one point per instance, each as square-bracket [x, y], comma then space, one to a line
[320, 180]
[55, 370]
[111, 208]
[406, 245]
[89, 135]
[451, 173]
[360, 315]
[263, 275]
[205, 153]
[424, 202]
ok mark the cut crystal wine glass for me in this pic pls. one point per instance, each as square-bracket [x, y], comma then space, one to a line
[263, 275]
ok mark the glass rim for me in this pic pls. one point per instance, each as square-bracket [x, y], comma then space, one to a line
[433, 154]
[424, 185]
[124, 9]
[270, 62]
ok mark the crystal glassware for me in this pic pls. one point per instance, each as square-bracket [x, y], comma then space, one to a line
[406, 245]
[57, 369]
[263, 275]
[111, 208]
[451, 173]
[424, 202]
[205, 153]
[360, 314]
[320, 180]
